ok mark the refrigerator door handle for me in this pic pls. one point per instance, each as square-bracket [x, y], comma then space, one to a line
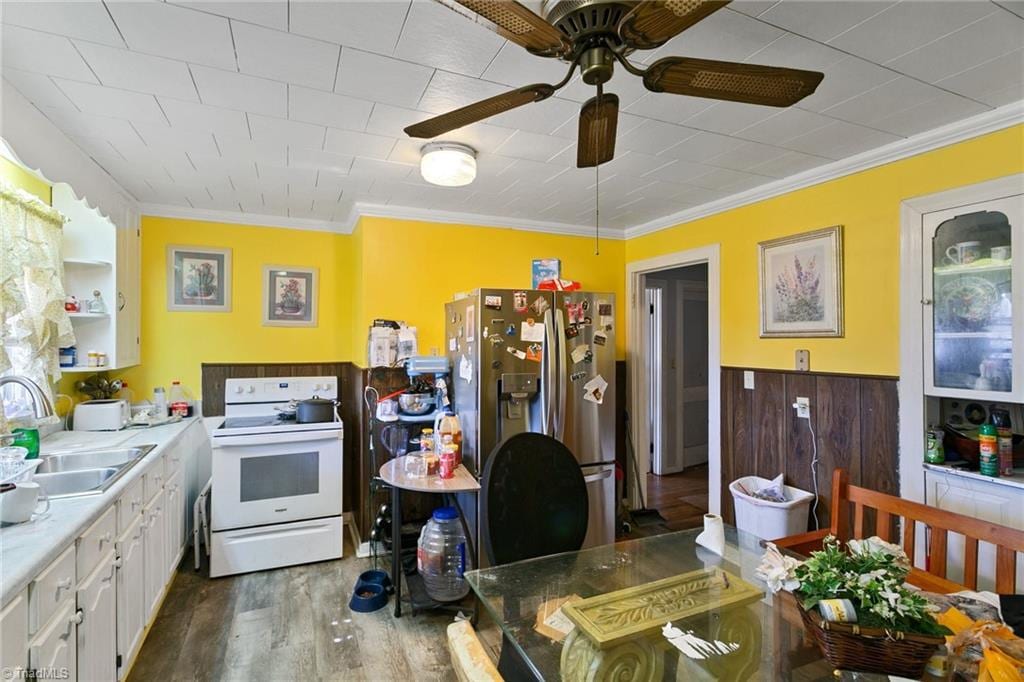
[598, 476]
[549, 388]
[563, 388]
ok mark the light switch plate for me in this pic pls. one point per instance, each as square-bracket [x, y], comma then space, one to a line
[748, 379]
[803, 360]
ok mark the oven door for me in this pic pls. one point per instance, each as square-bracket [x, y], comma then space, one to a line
[275, 478]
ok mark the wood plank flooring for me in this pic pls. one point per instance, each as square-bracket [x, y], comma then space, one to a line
[681, 498]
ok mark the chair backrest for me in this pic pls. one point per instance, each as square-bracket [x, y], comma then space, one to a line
[533, 500]
[1008, 541]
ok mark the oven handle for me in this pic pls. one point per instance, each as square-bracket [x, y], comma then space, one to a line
[272, 438]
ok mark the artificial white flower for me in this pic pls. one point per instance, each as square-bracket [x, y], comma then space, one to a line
[876, 544]
[778, 571]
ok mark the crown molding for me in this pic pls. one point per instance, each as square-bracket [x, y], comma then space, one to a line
[943, 136]
[239, 218]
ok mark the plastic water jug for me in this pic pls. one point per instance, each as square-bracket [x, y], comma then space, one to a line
[441, 556]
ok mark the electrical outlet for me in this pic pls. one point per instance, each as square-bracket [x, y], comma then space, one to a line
[803, 408]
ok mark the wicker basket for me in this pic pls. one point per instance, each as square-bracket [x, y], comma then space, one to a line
[849, 647]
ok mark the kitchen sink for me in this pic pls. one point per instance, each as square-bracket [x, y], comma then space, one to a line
[88, 472]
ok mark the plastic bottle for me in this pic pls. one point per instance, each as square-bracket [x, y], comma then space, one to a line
[177, 400]
[988, 450]
[1004, 438]
[159, 402]
[449, 426]
[935, 454]
[441, 556]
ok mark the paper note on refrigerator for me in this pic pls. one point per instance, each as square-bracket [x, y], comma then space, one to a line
[594, 389]
[580, 352]
[466, 369]
[532, 332]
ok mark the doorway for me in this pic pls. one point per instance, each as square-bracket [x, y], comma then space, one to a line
[675, 410]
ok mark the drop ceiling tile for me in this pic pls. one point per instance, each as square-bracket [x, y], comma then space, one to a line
[232, 90]
[908, 25]
[532, 173]
[274, 177]
[88, 20]
[408, 151]
[747, 156]
[729, 117]
[839, 139]
[751, 8]
[531, 146]
[371, 25]
[358, 144]
[391, 121]
[784, 125]
[300, 157]
[873, 105]
[96, 99]
[634, 163]
[845, 79]
[28, 50]
[725, 35]
[482, 137]
[168, 139]
[539, 117]
[381, 170]
[328, 109]
[727, 180]
[670, 108]
[74, 123]
[700, 146]
[119, 68]
[788, 164]
[997, 34]
[821, 20]
[272, 14]
[37, 88]
[242, 149]
[653, 137]
[429, 37]
[176, 32]
[240, 169]
[285, 57]
[797, 52]
[996, 82]
[515, 67]
[381, 79]
[944, 108]
[272, 130]
[448, 91]
[201, 117]
[681, 171]
[1014, 6]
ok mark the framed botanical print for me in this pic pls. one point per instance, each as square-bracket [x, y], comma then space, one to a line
[802, 284]
[198, 279]
[289, 296]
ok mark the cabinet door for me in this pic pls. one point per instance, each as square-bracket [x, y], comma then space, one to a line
[127, 304]
[97, 631]
[53, 650]
[175, 520]
[154, 543]
[974, 320]
[14, 636]
[131, 595]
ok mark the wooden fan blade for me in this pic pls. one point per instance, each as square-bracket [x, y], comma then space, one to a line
[773, 86]
[478, 111]
[513, 21]
[598, 120]
[652, 24]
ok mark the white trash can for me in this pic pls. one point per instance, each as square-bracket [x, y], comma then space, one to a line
[769, 520]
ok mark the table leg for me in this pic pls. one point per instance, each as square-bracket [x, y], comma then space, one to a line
[396, 547]
[641, 660]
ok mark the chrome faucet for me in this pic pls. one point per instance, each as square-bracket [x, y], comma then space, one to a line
[41, 405]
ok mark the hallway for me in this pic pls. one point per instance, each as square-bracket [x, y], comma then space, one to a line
[682, 499]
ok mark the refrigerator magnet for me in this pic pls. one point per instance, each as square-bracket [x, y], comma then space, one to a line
[587, 320]
[579, 352]
[466, 370]
[516, 352]
[519, 301]
[496, 339]
[572, 331]
[540, 305]
[532, 331]
[492, 302]
[600, 339]
[484, 333]
[470, 323]
[585, 305]
[604, 308]
[594, 389]
[533, 352]
[576, 376]
[452, 344]
[511, 331]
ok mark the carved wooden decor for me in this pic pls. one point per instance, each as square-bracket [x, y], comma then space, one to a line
[608, 619]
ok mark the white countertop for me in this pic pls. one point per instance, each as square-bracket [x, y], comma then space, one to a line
[27, 548]
[1014, 481]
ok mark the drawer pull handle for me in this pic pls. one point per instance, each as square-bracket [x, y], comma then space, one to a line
[77, 618]
[106, 537]
[136, 503]
[64, 584]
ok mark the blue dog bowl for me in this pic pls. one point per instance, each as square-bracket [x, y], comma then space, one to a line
[376, 577]
[368, 597]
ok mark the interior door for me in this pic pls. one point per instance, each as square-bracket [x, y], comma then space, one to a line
[692, 372]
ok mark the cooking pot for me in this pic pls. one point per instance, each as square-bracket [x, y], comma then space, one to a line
[315, 409]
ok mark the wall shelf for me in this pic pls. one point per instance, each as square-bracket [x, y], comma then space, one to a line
[87, 262]
[94, 316]
[83, 369]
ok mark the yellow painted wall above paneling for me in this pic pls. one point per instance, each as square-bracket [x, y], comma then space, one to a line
[24, 179]
[867, 204]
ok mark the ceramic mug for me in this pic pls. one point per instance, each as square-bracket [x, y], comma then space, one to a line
[963, 253]
[1000, 252]
[18, 505]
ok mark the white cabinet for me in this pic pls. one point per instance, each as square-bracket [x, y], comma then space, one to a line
[131, 594]
[154, 542]
[973, 288]
[97, 629]
[54, 648]
[14, 636]
[174, 494]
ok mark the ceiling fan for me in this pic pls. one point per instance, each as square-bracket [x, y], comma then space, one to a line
[595, 34]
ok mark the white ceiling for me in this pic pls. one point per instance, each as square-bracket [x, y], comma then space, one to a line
[296, 108]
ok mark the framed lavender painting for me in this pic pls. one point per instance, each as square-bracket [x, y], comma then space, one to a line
[289, 296]
[198, 279]
[802, 284]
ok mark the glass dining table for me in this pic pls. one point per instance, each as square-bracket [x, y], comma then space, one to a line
[731, 628]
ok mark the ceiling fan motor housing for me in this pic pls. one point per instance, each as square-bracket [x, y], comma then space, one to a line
[583, 20]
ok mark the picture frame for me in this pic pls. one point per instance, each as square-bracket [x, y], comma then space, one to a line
[544, 269]
[198, 279]
[801, 284]
[290, 296]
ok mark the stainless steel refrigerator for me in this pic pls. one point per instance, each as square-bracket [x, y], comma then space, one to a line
[541, 361]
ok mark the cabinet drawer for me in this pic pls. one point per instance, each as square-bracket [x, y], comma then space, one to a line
[53, 586]
[154, 478]
[96, 542]
[129, 506]
[172, 460]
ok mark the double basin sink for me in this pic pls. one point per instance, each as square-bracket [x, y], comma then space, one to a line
[88, 472]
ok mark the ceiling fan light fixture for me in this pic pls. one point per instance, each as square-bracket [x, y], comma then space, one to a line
[448, 164]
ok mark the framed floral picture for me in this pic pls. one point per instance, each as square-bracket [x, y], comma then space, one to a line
[289, 296]
[802, 284]
[198, 279]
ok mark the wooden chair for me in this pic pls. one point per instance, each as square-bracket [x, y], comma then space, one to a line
[1008, 541]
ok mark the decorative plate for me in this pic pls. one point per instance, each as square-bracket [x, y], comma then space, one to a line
[968, 302]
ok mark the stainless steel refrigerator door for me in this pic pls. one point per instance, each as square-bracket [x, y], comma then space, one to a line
[464, 395]
[600, 482]
[585, 331]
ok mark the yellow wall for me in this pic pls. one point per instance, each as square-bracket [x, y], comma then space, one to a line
[24, 179]
[867, 204]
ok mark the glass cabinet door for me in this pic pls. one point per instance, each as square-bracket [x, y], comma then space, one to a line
[976, 298]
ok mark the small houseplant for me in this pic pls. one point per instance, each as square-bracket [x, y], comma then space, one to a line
[895, 631]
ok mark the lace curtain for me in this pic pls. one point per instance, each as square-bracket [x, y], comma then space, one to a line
[33, 323]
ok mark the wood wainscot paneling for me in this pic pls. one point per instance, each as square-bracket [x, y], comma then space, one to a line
[854, 418]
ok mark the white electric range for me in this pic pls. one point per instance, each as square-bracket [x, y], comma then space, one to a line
[276, 484]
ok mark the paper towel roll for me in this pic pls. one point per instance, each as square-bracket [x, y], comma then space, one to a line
[713, 536]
